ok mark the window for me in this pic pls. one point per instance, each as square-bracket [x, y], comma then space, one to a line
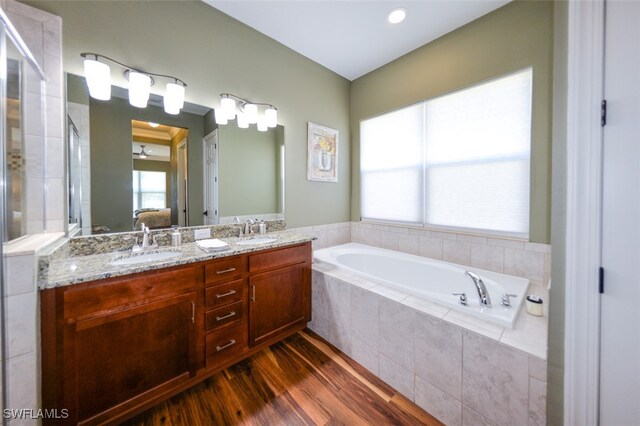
[460, 160]
[149, 190]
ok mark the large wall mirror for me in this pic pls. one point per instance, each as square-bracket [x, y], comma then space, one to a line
[129, 165]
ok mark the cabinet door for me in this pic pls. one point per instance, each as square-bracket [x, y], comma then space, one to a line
[280, 302]
[120, 356]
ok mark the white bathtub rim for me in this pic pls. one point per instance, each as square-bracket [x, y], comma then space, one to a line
[528, 335]
[497, 315]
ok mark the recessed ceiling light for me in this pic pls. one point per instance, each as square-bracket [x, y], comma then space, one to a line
[152, 124]
[397, 15]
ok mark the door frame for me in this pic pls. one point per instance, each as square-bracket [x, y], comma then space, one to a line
[213, 135]
[584, 211]
[182, 147]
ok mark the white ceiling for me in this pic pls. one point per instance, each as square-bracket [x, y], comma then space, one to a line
[353, 37]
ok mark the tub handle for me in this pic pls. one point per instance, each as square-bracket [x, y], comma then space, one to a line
[506, 301]
[463, 298]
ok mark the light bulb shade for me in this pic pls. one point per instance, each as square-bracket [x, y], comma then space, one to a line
[98, 76]
[139, 87]
[173, 98]
[221, 118]
[262, 124]
[228, 106]
[251, 111]
[271, 116]
[243, 123]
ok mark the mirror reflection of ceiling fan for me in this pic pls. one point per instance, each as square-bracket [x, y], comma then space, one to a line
[142, 154]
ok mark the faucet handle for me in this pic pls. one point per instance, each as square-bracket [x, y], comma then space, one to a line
[463, 298]
[506, 301]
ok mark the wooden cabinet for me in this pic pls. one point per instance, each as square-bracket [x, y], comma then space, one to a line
[114, 347]
[226, 318]
[278, 303]
[131, 352]
[280, 285]
[114, 342]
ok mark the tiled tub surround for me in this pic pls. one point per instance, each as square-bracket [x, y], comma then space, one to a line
[511, 256]
[332, 234]
[67, 270]
[461, 370]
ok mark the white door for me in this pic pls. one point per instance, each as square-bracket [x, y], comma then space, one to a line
[210, 175]
[620, 302]
[183, 211]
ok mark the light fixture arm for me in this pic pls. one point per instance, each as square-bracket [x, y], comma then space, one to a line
[242, 101]
[130, 68]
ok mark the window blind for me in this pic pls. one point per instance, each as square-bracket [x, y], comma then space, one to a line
[460, 160]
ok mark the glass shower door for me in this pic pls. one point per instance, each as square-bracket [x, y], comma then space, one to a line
[22, 170]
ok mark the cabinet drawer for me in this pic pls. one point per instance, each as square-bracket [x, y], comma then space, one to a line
[224, 293]
[228, 314]
[225, 344]
[225, 269]
[278, 258]
[118, 294]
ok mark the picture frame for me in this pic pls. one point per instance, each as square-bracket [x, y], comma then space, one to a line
[322, 153]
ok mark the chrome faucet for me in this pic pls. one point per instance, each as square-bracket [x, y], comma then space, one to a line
[145, 236]
[247, 227]
[145, 241]
[485, 300]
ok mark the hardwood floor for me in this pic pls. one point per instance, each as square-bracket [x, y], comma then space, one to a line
[302, 380]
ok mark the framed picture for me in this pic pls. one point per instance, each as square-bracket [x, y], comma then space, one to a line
[322, 153]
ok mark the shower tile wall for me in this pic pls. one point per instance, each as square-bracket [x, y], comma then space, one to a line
[42, 33]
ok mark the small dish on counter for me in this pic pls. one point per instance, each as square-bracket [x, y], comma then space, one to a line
[212, 245]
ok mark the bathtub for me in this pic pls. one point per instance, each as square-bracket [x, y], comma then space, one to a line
[431, 279]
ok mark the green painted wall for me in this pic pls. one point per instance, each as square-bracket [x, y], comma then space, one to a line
[214, 53]
[248, 171]
[111, 161]
[513, 37]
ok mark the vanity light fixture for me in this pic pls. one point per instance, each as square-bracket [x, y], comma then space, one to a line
[98, 75]
[246, 112]
[397, 15]
[242, 121]
[139, 89]
[262, 124]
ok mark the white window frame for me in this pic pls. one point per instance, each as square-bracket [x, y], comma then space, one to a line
[149, 192]
[447, 228]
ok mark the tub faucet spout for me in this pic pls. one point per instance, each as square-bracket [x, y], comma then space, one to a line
[485, 300]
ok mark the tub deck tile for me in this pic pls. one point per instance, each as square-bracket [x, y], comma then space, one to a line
[474, 324]
[390, 293]
[426, 307]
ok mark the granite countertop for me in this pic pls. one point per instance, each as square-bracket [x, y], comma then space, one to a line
[70, 270]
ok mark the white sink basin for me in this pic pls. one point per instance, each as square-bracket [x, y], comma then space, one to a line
[135, 258]
[256, 241]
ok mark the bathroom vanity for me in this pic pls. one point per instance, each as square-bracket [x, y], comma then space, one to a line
[113, 347]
